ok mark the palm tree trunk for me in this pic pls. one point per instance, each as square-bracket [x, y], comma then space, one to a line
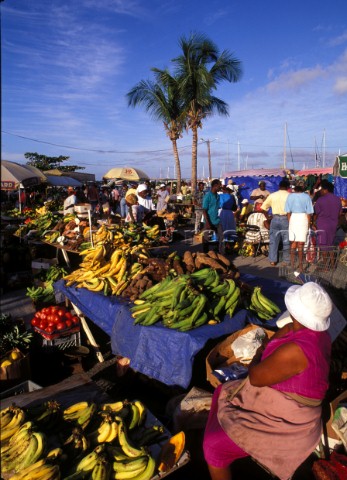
[178, 165]
[194, 159]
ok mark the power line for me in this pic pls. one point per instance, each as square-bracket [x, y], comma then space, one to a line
[90, 149]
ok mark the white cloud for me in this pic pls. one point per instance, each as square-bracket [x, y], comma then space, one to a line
[295, 79]
[340, 86]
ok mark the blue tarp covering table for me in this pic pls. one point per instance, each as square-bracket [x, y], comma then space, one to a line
[156, 351]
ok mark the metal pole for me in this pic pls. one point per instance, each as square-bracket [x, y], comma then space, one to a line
[88, 333]
[209, 158]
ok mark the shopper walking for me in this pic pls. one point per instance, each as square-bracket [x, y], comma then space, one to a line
[211, 206]
[299, 210]
[279, 223]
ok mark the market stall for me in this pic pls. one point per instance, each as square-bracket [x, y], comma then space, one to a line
[160, 353]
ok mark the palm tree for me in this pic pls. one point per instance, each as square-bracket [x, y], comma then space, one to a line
[199, 70]
[162, 100]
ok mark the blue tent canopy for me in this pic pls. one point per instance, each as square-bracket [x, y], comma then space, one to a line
[340, 187]
[252, 182]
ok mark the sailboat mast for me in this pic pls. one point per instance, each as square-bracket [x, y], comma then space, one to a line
[285, 147]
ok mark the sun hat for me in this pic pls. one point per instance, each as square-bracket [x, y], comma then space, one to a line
[131, 198]
[310, 305]
[162, 185]
[142, 187]
[244, 201]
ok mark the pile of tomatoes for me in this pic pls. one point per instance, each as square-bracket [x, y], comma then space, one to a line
[54, 319]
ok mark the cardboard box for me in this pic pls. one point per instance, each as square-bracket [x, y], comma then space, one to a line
[222, 355]
[342, 398]
[24, 387]
[19, 369]
[43, 264]
[82, 208]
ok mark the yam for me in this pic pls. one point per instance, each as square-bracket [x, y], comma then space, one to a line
[188, 258]
[213, 254]
[210, 262]
[223, 259]
[178, 267]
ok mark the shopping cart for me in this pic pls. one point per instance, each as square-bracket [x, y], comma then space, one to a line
[319, 265]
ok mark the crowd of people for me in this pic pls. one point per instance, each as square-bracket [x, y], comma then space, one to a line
[289, 214]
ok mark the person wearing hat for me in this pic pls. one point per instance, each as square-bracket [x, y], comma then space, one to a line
[161, 198]
[299, 211]
[70, 201]
[246, 210]
[274, 415]
[133, 214]
[259, 195]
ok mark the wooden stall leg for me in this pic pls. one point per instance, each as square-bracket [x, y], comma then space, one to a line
[88, 333]
[66, 257]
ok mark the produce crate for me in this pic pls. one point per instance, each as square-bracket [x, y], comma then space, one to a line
[222, 354]
[42, 264]
[62, 343]
[57, 334]
[24, 387]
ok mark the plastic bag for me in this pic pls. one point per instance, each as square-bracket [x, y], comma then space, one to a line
[246, 345]
[232, 372]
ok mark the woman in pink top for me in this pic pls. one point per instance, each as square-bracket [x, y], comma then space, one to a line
[275, 414]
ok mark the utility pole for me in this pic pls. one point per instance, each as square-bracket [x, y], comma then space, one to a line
[209, 159]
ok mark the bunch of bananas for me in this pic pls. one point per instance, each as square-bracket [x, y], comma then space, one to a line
[102, 271]
[80, 413]
[51, 237]
[24, 448]
[247, 250]
[47, 415]
[188, 301]
[41, 294]
[265, 308]
[11, 419]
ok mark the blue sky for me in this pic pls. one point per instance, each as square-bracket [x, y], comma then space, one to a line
[67, 66]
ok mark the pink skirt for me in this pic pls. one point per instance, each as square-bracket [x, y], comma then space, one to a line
[219, 450]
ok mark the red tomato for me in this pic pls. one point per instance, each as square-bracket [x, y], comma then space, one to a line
[68, 323]
[75, 320]
[60, 326]
[61, 312]
[49, 329]
[38, 314]
[43, 325]
[46, 311]
[35, 322]
[54, 309]
[43, 317]
[55, 318]
[51, 324]
[68, 315]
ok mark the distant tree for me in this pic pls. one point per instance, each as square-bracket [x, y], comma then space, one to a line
[42, 162]
[198, 71]
[162, 100]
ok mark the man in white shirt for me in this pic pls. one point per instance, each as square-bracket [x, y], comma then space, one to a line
[70, 201]
[147, 207]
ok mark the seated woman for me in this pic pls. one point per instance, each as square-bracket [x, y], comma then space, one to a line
[274, 415]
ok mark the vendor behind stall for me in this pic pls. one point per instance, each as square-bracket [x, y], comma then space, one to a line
[274, 415]
[133, 214]
[147, 211]
[70, 201]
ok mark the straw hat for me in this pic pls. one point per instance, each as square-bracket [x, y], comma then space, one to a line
[131, 198]
[244, 201]
[310, 305]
